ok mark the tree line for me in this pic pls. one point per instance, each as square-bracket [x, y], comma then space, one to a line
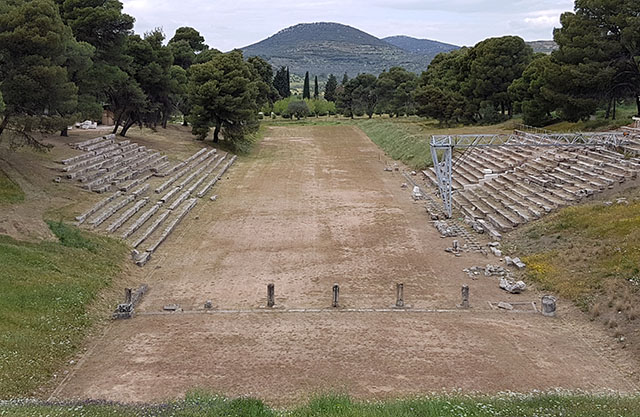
[596, 65]
[64, 61]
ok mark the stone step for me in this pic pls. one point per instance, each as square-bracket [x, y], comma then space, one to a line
[141, 220]
[157, 222]
[81, 218]
[111, 210]
[184, 210]
[127, 215]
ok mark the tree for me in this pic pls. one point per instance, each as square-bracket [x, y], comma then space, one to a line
[281, 82]
[298, 109]
[185, 45]
[345, 79]
[306, 93]
[394, 91]
[495, 64]
[330, 88]
[151, 69]
[34, 81]
[178, 95]
[223, 95]
[316, 90]
[100, 23]
[531, 91]
[267, 94]
[191, 36]
[364, 94]
[599, 56]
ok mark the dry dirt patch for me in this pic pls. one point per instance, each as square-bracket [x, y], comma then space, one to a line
[313, 207]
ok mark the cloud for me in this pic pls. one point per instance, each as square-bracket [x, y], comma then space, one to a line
[234, 24]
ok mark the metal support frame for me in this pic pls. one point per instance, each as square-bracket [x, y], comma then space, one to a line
[442, 147]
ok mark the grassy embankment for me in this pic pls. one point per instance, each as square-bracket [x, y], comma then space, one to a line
[589, 254]
[9, 191]
[198, 404]
[46, 288]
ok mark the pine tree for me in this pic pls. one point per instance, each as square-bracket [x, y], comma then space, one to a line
[316, 90]
[330, 88]
[345, 79]
[306, 93]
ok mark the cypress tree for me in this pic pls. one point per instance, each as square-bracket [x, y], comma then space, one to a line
[345, 79]
[330, 88]
[306, 93]
[316, 90]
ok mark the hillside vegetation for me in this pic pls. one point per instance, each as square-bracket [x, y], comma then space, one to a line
[46, 288]
[332, 48]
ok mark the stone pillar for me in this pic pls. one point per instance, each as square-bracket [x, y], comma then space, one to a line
[549, 305]
[465, 297]
[127, 295]
[399, 295]
[336, 295]
[456, 246]
[271, 295]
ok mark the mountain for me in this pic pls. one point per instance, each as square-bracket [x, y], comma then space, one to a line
[546, 47]
[420, 46]
[332, 48]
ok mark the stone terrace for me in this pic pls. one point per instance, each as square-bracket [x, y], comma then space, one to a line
[149, 196]
[501, 188]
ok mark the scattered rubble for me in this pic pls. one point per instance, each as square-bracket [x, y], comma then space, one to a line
[514, 287]
[487, 271]
[444, 229]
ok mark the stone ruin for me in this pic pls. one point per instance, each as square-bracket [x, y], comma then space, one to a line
[149, 196]
[497, 189]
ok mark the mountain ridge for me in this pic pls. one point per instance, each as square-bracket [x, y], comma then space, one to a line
[325, 48]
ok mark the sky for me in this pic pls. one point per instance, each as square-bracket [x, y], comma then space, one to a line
[236, 23]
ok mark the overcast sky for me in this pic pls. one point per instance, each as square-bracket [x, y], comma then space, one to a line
[236, 23]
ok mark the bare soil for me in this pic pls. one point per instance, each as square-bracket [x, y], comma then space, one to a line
[312, 206]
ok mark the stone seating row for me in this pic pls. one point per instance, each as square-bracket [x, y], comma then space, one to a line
[545, 180]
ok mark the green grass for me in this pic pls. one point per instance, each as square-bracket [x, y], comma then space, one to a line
[624, 114]
[402, 142]
[581, 251]
[506, 405]
[45, 289]
[10, 192]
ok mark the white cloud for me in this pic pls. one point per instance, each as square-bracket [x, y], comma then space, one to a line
[234, 24]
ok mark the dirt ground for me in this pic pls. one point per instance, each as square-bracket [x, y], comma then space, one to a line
[310, 208]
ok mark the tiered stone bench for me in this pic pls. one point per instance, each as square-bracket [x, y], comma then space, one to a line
[133, 212]
[502, 188]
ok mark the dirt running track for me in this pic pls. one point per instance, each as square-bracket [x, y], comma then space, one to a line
[313, 207]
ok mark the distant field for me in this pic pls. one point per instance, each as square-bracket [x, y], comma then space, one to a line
[198, 404]
[45, 289]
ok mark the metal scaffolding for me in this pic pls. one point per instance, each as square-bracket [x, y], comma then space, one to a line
[442, 147]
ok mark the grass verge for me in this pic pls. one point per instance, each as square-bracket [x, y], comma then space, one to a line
[199, 404]
[10, 192]
[589, 254]
[45, 289]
